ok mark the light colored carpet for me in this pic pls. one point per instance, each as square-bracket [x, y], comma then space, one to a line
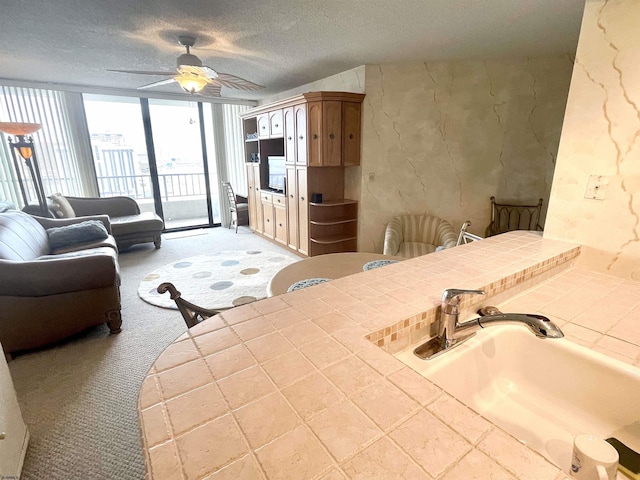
[79, 398]
[216, 280]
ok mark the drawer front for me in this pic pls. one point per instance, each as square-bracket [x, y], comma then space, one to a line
[279, 200]
[266, 197]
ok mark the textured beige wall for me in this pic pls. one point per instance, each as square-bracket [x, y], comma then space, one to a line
[601, 136]
[441, 138]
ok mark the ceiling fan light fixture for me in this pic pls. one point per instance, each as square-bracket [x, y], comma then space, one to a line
[191, 83]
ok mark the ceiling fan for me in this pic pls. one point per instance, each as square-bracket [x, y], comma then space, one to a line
[194, 77]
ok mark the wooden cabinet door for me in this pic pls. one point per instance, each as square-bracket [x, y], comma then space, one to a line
[267, 215]
[315, 134]
[276, 126]
[280, 223]
[303, 211]
[251, 198]
[331, 134]
[263, 125]
[292, 209]
[256, 196]
[351, 133]
[300, 114]
[289, 136]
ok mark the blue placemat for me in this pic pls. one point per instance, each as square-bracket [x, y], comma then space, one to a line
[377, 264]
[309, 282]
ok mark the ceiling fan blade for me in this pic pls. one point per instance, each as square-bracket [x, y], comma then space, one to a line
[142, 72]
[211, 90]
[237, 83]
[157, 84]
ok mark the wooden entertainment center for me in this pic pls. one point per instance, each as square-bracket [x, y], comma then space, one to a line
[318, 133]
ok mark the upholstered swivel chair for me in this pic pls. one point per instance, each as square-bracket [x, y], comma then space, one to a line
[236, 209]
[506, 217]
[414, 235]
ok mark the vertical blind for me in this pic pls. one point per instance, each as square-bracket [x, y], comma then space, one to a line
[234, 147]
[54, 146]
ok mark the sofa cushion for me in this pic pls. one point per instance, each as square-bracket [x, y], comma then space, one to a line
[133, 224]
[83, 232]
[61, 207]
[22, 238]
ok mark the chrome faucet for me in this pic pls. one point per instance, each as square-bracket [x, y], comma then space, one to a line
[451, 332]
[450, 313]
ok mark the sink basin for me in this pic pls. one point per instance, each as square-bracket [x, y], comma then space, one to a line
[541, 391]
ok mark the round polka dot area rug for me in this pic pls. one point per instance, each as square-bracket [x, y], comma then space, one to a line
[218, 280]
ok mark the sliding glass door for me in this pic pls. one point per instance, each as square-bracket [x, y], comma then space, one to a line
[155, 151]
[183, 176]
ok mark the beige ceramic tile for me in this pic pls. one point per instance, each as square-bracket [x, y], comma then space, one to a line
[383, 460]
[324, 352]
[333, 321]
[415, 385]
[253, 329]
[628, 328]
[385, 403]
[183, 378]
[269, 346]
[303, 332]
[433, 445]
[285, 318]
[351, 374]
[242, 469]
[245, 386]
[333, 475]
[155, 426]
[477, 466]
[239, 314]
[312, 308]
[459, 417]
[164, 462]
[312, 394]
[515, 457]
[195, 408]
[344, 429]
[269, 305]
[613, 347]
[216, 341]
[380, 360]
[266, 419]
[149, 392]
[210, 447]
[580, 335]
[288, 368]
[296, 455]
[208, 325]
[353, 338]
[176, 354]
[229, 361]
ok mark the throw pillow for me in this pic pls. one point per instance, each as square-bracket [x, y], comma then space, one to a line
[61, 207]
[87, 231]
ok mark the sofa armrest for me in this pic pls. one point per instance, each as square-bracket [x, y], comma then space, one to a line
[112, 206]
[61, 222]
[49, 275]
[393, 237]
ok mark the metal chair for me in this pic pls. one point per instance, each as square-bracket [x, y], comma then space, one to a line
[191, 313]
[235, 208]
[465, 237]
[508, 217]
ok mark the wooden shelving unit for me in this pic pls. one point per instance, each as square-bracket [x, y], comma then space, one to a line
[333, 226]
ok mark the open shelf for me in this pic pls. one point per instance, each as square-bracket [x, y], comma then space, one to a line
[335, 221]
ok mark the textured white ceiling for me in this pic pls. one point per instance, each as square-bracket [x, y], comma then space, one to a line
[280, 44]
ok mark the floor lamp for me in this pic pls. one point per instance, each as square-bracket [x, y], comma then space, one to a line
[23, 144]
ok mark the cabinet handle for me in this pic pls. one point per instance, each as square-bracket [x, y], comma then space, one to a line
[302, 199]
[301, 137]
[331, 136]
[351, 135]
[289, 138]
[267, 220]
[315, 136]
[276, 125]
[263, 127]
[290, 196]
[280, 225]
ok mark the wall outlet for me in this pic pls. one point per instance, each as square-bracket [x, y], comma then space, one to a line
[596, 187]
[372, 177]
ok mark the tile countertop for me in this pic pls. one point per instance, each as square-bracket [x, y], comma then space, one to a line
[302, 386]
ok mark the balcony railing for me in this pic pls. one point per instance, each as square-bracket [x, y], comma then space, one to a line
[172, 185]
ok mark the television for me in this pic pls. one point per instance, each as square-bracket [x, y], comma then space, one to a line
[277, 173]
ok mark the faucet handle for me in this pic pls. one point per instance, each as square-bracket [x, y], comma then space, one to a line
[451, 298]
